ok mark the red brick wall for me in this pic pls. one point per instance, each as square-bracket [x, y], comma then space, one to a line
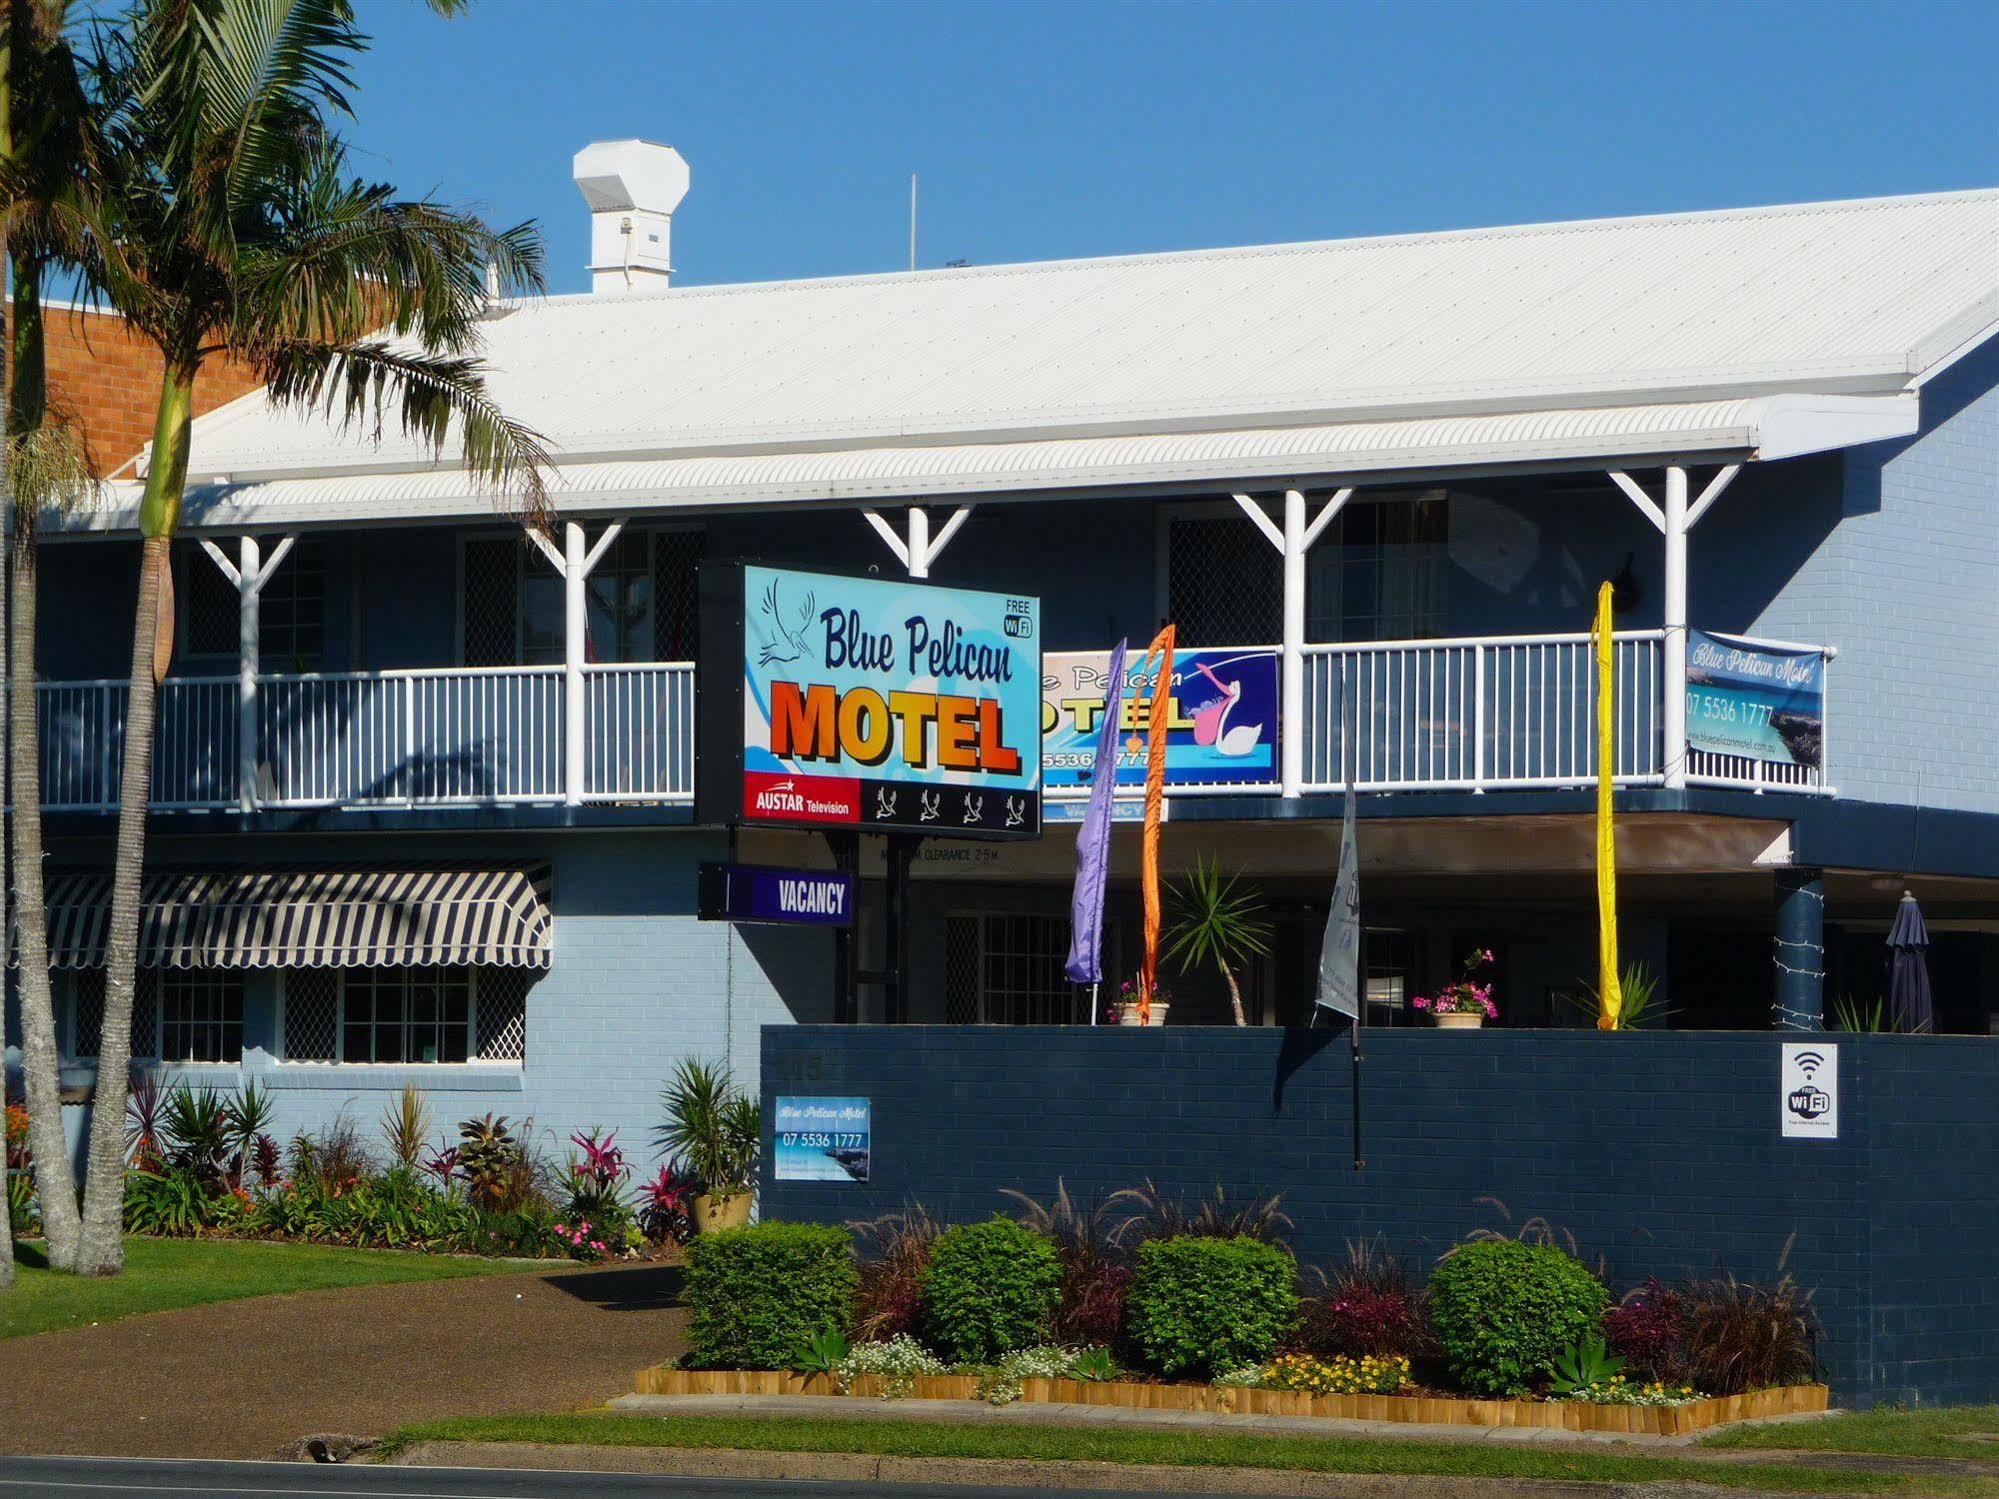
[110, 377]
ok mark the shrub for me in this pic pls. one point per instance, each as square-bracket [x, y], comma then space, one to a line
[1157, 1216]
[1365, 1308]
[895, 1256]
[991, 1288]
[1096, 1266]
[1744, 1336]
[1209, 1303]
[1648, 1330]
[1503, 1310]
[759, 1294]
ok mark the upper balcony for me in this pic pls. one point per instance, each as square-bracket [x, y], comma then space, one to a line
[1469, 714]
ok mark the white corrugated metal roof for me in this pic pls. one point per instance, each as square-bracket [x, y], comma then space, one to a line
[1854, 297]
[1764, 426]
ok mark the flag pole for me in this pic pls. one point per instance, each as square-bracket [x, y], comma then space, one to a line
[1360, 953]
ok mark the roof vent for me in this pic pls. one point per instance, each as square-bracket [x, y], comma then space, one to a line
[632, 188]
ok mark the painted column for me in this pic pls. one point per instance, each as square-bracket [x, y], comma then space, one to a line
[1291, 709]
[1800, 950]
[575, 570]
[249, 631]
[919, 542]
[1674, 725]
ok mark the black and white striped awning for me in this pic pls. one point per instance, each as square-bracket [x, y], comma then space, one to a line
[352, 917]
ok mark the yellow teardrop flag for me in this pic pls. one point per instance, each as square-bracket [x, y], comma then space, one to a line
[1610, 993]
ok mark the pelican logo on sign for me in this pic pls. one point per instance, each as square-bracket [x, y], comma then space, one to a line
[1808, 1089]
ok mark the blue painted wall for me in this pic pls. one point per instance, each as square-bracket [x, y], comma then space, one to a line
[637, 983]
[1659, 1151]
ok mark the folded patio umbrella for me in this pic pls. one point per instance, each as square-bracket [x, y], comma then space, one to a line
[1909, 972]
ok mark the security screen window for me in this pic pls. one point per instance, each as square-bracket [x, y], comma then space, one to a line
[291, 610]
[639, 602]
[1390, 956]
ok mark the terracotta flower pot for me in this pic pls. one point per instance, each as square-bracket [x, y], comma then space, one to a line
[729, 1212]
[1459, 1020]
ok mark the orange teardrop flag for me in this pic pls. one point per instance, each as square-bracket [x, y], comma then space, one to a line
[1155, 793]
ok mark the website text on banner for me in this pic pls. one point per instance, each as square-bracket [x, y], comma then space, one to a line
[1755, 702]
[1221, 728]
[874, 703]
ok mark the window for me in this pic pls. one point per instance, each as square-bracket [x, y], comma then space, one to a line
[201, 1016]
[405, 1015]
[1390, 956]
[1224, 581]
[83, 1027]
[291, 611]
[639, 600]
[1007, 970]
[1380, 571]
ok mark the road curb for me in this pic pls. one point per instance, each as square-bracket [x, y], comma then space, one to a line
[933, 1472]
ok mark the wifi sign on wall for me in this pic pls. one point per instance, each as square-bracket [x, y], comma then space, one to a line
[1808, 1091]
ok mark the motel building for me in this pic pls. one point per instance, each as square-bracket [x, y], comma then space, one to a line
[425, 788]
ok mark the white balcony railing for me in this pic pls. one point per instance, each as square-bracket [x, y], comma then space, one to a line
[1507, 712]
[380, 739]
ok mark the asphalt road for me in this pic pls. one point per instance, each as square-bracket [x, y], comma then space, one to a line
[73, 1477]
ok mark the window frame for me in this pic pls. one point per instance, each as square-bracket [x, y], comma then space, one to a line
[190, 564]
[1075, 995]
[223, 981]
[340, 977]
[529, 557]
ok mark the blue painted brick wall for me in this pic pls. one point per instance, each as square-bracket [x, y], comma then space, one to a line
[1659, 1151]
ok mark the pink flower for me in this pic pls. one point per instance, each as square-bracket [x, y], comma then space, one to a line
[1419, 1003]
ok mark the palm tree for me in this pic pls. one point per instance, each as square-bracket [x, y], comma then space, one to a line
[44, 179]
[242, 231]
[1213, 923]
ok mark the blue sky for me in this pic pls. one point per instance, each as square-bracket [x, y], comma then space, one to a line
[1059, 129]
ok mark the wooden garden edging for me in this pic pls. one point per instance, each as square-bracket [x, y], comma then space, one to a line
[1565, 1415]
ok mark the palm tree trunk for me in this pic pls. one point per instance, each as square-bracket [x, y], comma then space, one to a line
[55, 1181]
[1235, 994]
[6, 514]
[103, 1249]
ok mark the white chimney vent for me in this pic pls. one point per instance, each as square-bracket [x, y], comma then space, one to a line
[632, 188]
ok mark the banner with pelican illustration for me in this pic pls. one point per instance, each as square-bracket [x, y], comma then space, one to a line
[1221, 727]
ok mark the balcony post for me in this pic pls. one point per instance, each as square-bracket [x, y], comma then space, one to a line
[574, 562]
[1800, 950]
[249, 572]
[919, 550]
[1291, 707]
[1674, 663]
[1293, 541]
[575, 632]
[248, 664]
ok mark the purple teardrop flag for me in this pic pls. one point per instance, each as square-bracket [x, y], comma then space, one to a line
[1093, 841]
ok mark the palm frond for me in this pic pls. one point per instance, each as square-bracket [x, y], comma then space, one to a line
[359, 384]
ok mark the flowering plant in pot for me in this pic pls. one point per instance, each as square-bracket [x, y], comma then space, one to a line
[1126, 1009]
[1467, 1002]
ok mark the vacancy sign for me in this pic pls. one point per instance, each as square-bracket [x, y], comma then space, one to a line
[1808, 1091]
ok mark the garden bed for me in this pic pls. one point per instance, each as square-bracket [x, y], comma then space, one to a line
[1564, 1415]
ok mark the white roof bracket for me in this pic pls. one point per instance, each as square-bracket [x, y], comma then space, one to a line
[1325, 517]
[548, 549]
[943, 537]
[1642, 500]
[1712, 493]
[596, 553]
[888, 534]
[1263, 522]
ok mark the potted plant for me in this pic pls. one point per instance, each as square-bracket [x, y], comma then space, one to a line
[1128, 1011]
[717, 1131]
[1467, 1003]
[1213, 922]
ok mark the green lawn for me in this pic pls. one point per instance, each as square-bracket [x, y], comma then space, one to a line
[164, 1273]
[1177, 1447]
[1943, 1432]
